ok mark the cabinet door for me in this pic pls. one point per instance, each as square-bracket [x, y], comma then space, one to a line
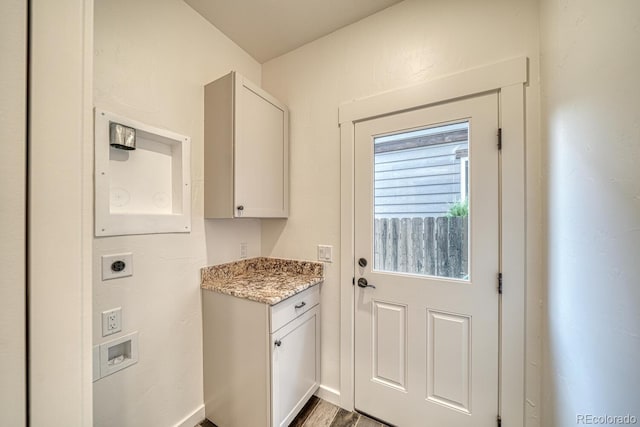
[261, 153]
[295, 364]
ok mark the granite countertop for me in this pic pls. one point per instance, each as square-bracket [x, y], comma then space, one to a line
[266, 280]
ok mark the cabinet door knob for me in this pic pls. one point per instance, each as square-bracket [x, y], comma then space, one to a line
[278, 343]
[240, 208]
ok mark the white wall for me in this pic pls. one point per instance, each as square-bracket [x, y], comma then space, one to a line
[13, 80]
[152, 59]
[60, 213]
[591, 110]
[408, 43]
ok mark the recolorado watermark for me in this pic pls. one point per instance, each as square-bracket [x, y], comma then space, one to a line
[590, 419]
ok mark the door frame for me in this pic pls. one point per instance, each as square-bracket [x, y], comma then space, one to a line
[13, 190]
[508, 78]
[60, 223]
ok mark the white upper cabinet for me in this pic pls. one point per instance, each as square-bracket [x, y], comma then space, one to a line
[246, 151]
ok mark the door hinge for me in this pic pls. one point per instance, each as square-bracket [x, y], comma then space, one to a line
[499, 138]
[500, 283]
[499, 419]
[353, 281]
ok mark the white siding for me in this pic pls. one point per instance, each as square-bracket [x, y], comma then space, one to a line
[417, 182]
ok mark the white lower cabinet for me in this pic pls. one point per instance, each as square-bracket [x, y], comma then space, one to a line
[261, 362]
[294, 366]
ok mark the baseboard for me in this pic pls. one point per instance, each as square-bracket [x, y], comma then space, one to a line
[329, 394]
[195, 418]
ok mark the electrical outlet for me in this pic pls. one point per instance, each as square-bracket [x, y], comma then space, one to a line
[117, 265]
[111, 321]
[243, 250]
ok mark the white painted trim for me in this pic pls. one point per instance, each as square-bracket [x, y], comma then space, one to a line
[329, 394]
[60, 215]
[513, 256]
[347, 265]
[193, 419]
[470, 82]
[508, 78]
[87, 217]
[13, 214]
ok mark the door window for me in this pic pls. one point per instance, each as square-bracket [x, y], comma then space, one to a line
[421, 201]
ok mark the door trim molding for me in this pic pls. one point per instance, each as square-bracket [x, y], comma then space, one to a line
[470, 82]
[60, 256]
[509, 79]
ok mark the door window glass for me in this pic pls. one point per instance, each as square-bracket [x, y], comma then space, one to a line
[421, 208]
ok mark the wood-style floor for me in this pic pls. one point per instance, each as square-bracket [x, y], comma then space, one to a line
[320, 413]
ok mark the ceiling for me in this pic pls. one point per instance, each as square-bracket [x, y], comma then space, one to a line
[269, 28]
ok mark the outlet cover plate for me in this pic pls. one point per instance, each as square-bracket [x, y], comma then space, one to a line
[117, 265]
[243, 250]
[124, 353]
[111, 321]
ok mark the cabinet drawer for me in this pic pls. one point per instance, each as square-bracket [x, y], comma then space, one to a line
[287, 310]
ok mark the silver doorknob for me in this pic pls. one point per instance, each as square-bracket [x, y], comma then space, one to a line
[362, 282]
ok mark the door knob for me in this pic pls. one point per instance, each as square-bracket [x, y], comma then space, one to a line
[362, 282]
[362, 262]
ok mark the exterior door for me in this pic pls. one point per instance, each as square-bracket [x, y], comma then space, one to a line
[427, 258]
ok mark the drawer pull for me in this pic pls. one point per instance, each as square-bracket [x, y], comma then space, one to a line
[302, 304]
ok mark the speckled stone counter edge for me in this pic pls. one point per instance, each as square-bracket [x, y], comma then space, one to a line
[232, 269]
[266, 280]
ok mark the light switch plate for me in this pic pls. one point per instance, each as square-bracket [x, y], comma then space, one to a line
[325, 253]
[117, 265]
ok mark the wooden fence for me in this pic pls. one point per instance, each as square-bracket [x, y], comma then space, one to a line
[433, 246]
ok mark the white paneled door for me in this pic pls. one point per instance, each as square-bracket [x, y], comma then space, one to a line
[427, 258]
